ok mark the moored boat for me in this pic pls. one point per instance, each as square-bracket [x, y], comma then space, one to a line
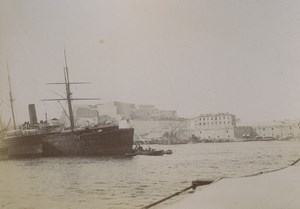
[100, 140]
[45, 139]
[167, 152]
[131, 154]
[151, 152]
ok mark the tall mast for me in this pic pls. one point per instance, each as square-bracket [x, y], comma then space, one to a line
[11, 98]
[69, 99]
[1, 125]
[1, 128]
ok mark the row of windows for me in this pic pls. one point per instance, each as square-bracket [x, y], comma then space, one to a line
[280, 134]
[207, 123]
[219, 136]
[213, 118]
[273, 129]
[226, 131]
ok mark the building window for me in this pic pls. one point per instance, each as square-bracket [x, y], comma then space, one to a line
[272, 129]
[204, 123]
[220, 122]
[228, 136]
[200, 124]
[227, 131]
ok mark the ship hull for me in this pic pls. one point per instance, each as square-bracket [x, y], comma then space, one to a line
[76, 143]
[25, 146]
[114, 142]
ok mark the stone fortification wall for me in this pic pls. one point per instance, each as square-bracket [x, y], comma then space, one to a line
[156, 127]
[108, 109]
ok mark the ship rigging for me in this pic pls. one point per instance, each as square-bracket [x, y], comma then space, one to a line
[11, 100]
[69, 98]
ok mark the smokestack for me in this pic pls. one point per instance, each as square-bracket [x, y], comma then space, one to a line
[32, 114]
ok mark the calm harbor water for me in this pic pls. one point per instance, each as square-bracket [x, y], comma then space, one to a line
[107, 182]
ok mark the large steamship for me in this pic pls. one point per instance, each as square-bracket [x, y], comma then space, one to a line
[50, 139]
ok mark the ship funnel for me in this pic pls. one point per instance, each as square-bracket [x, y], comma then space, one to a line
[32, 114]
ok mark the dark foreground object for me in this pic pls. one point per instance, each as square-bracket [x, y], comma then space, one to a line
[194, 185]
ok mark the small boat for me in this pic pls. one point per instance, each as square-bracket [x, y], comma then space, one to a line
[131, 154]
[167, 152]
[141, 151]
[151, 152]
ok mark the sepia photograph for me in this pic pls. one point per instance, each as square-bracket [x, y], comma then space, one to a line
[139, 104]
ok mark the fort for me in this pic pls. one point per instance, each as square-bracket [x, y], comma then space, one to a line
[157, 125]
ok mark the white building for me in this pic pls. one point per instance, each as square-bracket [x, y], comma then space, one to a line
[214, 126]
[214, 121]
[279, 129]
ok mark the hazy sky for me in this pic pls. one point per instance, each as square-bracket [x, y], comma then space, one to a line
[194, 56]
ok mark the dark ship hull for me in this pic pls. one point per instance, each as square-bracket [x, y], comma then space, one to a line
[24, 146]
[88, 142]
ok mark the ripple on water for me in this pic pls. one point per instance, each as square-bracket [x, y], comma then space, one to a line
[120, 183]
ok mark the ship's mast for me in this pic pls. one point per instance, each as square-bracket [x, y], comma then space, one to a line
[69, 98]
[69, 94]
[1, 125]
[1, 128]
[11, 98]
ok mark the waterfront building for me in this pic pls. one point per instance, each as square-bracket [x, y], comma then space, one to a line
[214, 121]
[279, 130]
[214, 126]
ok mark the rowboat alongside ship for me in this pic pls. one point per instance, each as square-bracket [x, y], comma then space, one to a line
[139, 150]
[151, 152]
[167, 152]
